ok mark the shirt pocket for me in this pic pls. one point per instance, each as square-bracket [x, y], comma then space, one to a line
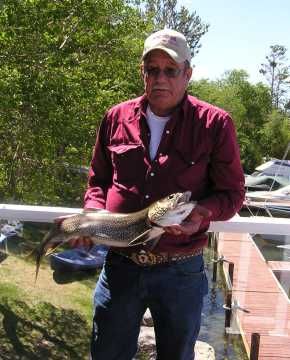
[128, 163]
[194, 173]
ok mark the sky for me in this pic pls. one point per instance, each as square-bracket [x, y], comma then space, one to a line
[240, 35]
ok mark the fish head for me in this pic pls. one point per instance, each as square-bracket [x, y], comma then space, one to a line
[172, 209]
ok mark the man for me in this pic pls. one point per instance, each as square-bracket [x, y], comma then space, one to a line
[163, 142]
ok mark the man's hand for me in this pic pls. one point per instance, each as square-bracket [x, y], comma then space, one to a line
[83, 241]
[192, 222]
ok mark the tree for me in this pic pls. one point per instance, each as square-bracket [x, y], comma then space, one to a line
[249, 106]
[276, 134]
[164, 13]
[62, 64]
[277, 73]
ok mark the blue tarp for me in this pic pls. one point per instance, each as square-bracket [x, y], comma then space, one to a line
[79, 259]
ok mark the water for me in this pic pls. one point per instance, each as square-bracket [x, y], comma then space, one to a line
[213, 318]
[274, 248]
[284, 278]
[269, 246]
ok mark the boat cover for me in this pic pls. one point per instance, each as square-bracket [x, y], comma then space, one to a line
[79, 259]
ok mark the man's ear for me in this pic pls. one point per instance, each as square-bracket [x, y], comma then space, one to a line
[142, 70]
[189, 73]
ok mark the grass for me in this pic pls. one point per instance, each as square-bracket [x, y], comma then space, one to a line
[45, 320]
[49, 319]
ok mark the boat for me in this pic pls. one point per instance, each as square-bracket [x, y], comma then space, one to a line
[274, 203]
[280, 196]
[271, 175]
[274, 167]
[261, 181]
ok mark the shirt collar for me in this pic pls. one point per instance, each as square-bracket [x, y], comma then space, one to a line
[141, 106]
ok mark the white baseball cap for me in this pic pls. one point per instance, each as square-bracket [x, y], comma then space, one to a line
[172, 42]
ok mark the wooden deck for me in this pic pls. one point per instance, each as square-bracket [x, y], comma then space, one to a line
[264, 307]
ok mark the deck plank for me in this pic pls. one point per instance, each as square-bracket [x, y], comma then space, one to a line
[263, 306]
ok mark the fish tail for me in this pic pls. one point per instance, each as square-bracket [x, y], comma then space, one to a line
[37, 260]
[42, 250]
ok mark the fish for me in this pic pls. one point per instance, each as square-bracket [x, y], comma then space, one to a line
[117, 229]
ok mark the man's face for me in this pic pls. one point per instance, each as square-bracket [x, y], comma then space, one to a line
[164, 90]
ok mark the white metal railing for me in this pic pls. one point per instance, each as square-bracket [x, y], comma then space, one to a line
[252, 225]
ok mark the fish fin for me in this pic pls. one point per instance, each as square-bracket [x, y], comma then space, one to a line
[38, 256]
[52, 249]
[154, 242]
[150, 234]
[60, 219]
[140, 238]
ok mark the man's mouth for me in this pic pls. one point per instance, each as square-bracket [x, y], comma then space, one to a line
[160, 89]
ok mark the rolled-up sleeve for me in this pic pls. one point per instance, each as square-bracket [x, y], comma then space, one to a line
[225, 173]
[100, 173]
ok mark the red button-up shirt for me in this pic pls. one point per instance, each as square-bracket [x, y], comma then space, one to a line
[198, 152]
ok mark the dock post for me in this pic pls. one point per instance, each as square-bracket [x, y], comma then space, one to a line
[215, 263]
[210, 239]
[228, 309]
[228, 304]
[255, 344]
[231, 273]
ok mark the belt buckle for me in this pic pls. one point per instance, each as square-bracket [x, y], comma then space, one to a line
[144, 258]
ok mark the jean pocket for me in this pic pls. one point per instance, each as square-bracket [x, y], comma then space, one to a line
[191, 277]
[191, 267]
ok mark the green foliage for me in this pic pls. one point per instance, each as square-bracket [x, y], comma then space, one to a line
[166, 13]
[276, 134]
[261, 133]
[63, 63]
[277, 73]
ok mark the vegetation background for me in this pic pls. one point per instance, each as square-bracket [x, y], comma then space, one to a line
[63, 63]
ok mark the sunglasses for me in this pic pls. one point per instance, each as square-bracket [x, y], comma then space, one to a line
[168, 72]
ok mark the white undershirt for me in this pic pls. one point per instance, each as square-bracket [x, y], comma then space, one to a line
[156, 125]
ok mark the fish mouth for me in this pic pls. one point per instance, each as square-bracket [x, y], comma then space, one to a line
[184, 198]
[175, 216]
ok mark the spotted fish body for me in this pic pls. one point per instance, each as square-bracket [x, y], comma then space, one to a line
[117, 229]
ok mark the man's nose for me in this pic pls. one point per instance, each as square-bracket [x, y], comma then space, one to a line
[161, 75]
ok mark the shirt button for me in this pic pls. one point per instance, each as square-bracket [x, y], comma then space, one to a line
[152, 174]
[147, 196]
[192, 162]
[167, 132]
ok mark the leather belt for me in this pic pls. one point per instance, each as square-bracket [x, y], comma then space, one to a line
[147, 258]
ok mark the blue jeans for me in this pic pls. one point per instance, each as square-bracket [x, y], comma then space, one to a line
[174, 294]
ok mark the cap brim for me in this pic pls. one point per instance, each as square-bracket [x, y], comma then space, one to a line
[170, 52]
